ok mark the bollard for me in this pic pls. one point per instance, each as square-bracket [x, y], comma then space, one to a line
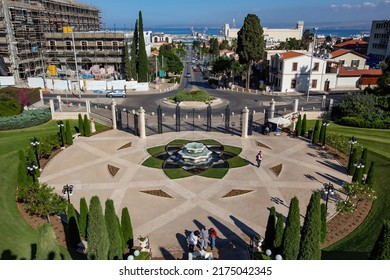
[222, 115]
[198, 117]
[152, 113]
[232, 114]
[174, 116]
[186, 116]
[106, 107]
[133, 112]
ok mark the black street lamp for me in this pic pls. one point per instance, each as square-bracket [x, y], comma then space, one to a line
[31, 168]
[35, 143]
[68, 190]
[328, 189]
[60, 125]
[352, 141]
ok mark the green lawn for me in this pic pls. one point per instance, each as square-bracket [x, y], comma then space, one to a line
[361, 241]
[17, 238]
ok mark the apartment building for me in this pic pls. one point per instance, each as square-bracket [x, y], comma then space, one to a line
[25, 29]
[379, 43]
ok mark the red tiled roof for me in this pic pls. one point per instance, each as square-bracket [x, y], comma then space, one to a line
[288, 55]
[348, 72]
[371, 72]
[351, 42]
[341, 52]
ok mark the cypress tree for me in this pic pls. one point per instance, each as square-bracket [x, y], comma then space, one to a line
[278, 233]
[81, 125]
[98, 243]
[250, 44]
[143, 64]
[351, 162]
[134, 54]
[298, 128]
[62, 135]
[311, 231]
[73, 227]
[115, 251]
[83, 218]
[322, 132]
[68, 134]
[270, 230]
[381, 250]
[324, 213]
[127, 62]
[364, 159]
[370, 179]
[47, 248]
[87, 126]
[127, 229]
[316, 132]
[292, 232]
[304, 125]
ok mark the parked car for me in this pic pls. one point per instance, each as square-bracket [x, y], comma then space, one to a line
[188, 75]
[116, 93]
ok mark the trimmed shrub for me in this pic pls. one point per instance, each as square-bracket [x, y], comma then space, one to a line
[364, 159]
[81, 125]
[299, 126]
[68, 133]
[352, 159]
[364, 123]
[279, 228]
[47, 248]
[83, 218]
[98, 243]
[324, 212]
[381, 250]
[115, 251]
[311, 231]
[370, 179]
[304, 126]
[195, 95]
[87, 126]
[127, 229]
[27, 118]
[322, 132]
[270, 230]
[73, 228]
[292, 232]
[316, 135]
[9, 107]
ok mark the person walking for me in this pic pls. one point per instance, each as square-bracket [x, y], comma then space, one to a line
[259, 158]
[193, 240]
[213, 236]
[205, 238]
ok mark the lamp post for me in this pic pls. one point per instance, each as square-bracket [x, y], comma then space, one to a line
[311, 63]
[31, 168]
[352, 141]
[68, 190]
[60, 125]
[35, 143]
[325, 124]
[328, 189]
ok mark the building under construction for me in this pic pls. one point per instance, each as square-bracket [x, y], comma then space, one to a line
[37, 33]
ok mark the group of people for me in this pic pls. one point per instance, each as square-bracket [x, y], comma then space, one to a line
[202, 238]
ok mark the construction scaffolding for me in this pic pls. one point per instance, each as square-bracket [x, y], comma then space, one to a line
[24, 23]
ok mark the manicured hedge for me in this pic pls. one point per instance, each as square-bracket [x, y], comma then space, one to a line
[195, 95]
[360, 122]
[28, 118]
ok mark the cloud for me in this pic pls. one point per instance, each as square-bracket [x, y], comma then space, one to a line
[368, 5]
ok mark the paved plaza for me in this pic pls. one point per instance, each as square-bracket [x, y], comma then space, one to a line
[194, 201]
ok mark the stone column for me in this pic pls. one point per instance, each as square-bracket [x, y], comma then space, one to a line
[295, 105]
[272, 109]
[88, 107]
[113, 113]
[52, 109]
[141, 123]
[330, 105]
[245, 120]
[41, 96]
[323, 104]
[59, 102]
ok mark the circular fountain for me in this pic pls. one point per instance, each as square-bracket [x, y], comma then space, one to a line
[195, 153]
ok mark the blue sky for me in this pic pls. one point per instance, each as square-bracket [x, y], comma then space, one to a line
[214, 13]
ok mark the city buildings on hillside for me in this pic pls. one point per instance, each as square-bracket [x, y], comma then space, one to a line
[379, 44]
